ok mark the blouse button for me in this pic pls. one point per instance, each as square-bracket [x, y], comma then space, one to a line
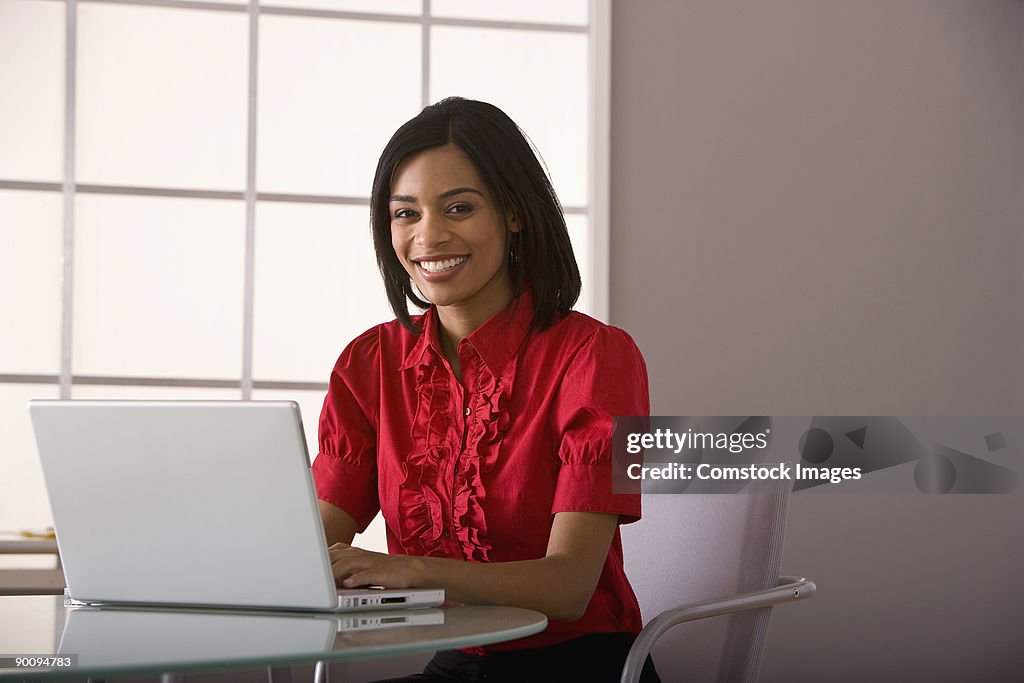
[468, 411]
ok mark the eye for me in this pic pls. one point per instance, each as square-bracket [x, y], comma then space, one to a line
[461, 207]
[405, 213]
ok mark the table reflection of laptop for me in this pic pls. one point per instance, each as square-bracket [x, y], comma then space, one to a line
[126, 637]
[197, 503]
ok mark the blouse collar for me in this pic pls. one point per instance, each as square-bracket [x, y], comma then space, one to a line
[496, 341]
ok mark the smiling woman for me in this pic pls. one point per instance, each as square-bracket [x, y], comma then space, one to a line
[452, 238]
[482, 429]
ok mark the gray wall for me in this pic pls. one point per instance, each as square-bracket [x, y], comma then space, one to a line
[816, 210]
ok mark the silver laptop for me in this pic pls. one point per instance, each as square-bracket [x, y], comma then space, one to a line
[192, 503]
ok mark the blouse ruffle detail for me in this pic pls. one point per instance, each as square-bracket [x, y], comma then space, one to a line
[420, 496]
[420, 506]
[490, 413]
[490, 420]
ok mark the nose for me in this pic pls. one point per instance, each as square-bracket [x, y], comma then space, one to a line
[432, 231]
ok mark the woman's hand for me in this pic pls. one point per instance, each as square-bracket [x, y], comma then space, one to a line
[354, 567]
[560, 584]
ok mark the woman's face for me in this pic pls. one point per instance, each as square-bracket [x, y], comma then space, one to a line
[449, 233]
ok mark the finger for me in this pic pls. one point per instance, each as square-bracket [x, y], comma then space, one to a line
[338, 547]
[335, 552]
[347, 566]
[360, 578]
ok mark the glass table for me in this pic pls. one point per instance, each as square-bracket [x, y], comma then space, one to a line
[118, 641]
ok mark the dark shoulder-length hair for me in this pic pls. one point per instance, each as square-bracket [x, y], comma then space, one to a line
[540, 254]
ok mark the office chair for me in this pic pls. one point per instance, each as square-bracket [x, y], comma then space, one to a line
[711, 551]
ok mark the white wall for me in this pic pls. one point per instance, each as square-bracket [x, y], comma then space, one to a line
[815, 211]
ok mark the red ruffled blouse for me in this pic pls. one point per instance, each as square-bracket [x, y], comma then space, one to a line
[476, 471]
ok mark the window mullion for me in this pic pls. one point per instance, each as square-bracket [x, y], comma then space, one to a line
[250, 205]
[68, 189]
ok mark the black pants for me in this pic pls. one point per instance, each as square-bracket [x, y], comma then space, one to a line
[594, 658]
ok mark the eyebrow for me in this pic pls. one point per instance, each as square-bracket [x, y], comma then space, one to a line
[443, 195]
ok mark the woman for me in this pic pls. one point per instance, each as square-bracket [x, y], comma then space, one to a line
[482, 428]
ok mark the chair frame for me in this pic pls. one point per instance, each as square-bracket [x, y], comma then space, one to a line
[789, 589]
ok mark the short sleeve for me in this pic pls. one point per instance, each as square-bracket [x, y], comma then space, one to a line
[345, 469]
[606, 378]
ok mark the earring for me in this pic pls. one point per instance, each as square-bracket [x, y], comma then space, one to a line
[513, 249]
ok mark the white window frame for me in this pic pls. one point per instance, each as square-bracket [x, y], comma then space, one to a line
[597, 209]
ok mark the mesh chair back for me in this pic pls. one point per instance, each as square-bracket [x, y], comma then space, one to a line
[696, 546]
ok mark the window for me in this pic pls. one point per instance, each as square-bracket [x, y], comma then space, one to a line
[184, 187]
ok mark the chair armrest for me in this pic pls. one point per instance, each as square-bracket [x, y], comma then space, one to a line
[789, 589]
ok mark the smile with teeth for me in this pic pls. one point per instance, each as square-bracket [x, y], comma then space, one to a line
[441, 266]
